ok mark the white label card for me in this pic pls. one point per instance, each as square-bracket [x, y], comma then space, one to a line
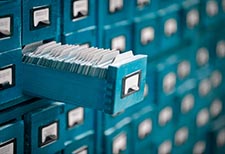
[5, 25]
[216, 108]
[221, 138]
[181, 136]
[192, 18]
[165, 116]
[49, 133]
[170, 27]
[80, 6]
[212, 8]
[202, 117]
[119, 143]
[187, 103]
[165, 147]
[119, 43]
[169, 82]
[6, 76]
[147, 35]
[199, 147]
[144, 128]
[41, 16]
[115, 5]
[131, 83]
[75, 116]
[184, 69]
[202, 56]
[220, 49]
[7, 148]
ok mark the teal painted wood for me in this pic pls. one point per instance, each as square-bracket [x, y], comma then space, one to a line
[41, 32]
[44, 123]
[81, 143]
[75, 24]
[82, 37]
[92, 92]
[12, 40]
[11, 59]
[12, 137]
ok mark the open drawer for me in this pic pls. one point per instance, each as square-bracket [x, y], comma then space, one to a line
[121, 87]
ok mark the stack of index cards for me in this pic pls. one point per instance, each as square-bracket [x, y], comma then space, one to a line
[86, 76]
[73, 58]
